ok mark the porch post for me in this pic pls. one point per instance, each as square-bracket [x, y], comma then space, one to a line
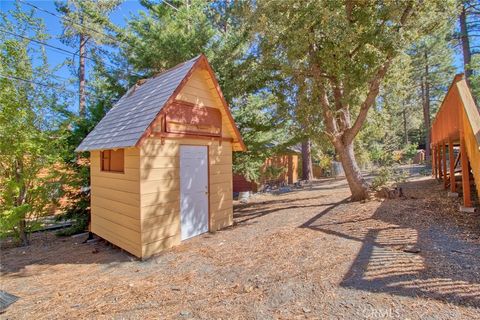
[467, 200]
[444, 157]
[451, 161]
[439, 161]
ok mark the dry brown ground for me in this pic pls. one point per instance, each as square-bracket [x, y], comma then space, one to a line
[305, 254]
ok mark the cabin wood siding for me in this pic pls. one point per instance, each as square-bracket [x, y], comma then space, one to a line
[115, 202]
[139, 210]
[200, 90]
[160, 197]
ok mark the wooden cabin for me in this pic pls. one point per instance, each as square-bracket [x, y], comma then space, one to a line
[161, 161]
[288, 161]
[457, 127]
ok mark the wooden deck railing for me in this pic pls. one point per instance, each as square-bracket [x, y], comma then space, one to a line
[457, 123]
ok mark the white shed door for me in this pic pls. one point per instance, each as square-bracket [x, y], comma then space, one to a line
[193, 190]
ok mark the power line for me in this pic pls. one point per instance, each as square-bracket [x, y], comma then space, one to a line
[33, 82]
[52, 74]
[42, 43]
[55, 47]
[72, 21]
[89, 28]
[47, 85]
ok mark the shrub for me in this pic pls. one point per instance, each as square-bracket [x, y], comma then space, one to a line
[381, 178]
[409, 152]
[273, 172]
[385, 175]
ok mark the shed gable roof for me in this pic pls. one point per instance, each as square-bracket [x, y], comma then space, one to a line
[130, 117]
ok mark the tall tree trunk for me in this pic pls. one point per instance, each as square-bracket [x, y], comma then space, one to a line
[467, 54]
[425, 86]
[307, 172]
[22, 230]
[19, 201]
[405, 130]
[356, 182]
[81, 76]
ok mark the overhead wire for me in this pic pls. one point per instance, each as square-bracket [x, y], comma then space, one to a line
[35, 82]
[64, 51]
[46, 85]
[72, 21]
[61, 50]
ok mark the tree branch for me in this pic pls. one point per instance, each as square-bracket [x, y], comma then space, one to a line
[330, 123]
[374, 87]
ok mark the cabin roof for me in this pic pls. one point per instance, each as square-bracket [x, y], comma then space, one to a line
[125, 124]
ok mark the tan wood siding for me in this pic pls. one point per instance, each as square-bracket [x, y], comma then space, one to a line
[200, 90]
[111, 235]
[122, 208]
[115, 195]
[160, 190]
[115, 202]
[158, 199]
[155, 232]
[117, 234]
[162, 244]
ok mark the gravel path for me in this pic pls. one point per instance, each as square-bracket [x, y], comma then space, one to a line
[307, 254]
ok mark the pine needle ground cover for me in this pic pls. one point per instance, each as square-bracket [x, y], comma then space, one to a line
[307, 254]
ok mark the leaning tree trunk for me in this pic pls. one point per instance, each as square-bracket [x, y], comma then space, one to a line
[307, 173]
[356, 182]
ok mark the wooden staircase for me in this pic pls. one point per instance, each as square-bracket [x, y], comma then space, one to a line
[457, 124]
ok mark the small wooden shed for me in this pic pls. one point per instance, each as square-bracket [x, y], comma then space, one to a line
[161, 161]
[288, 160]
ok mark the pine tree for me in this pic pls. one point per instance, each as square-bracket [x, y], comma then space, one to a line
[469, 38]
[86, 21]
[29, 126]
[345, 50]
[432, 59]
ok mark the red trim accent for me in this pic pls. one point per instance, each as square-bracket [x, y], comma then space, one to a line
[224, 102]
[183, 114]
[169, 101]
[202, 61]
[172, 135]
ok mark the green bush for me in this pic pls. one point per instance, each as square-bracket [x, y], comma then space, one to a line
[273, 172]
[409, 152]
[382, 177]
[380, 156]
[78, 212]
[386, 175]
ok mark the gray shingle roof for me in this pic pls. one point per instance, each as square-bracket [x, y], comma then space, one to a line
[130, 117]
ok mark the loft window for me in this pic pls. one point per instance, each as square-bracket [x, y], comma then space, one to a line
[112, 160]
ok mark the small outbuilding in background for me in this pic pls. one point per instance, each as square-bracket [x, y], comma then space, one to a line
[161, 161]
[278, 170]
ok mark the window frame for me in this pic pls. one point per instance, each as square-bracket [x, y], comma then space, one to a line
[106, 161]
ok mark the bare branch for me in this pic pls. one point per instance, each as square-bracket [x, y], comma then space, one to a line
[373, 90]
[374, 86]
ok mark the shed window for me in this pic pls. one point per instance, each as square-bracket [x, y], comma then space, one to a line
[112, 160]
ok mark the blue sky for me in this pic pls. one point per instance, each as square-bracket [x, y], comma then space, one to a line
[119, 17]
[54, 29]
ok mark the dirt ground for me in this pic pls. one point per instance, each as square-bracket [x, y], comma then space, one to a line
[304, 254]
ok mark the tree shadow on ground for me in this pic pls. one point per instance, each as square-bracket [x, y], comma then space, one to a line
[447, 264]
[254, 214]
[240, 207]
[47, 250]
